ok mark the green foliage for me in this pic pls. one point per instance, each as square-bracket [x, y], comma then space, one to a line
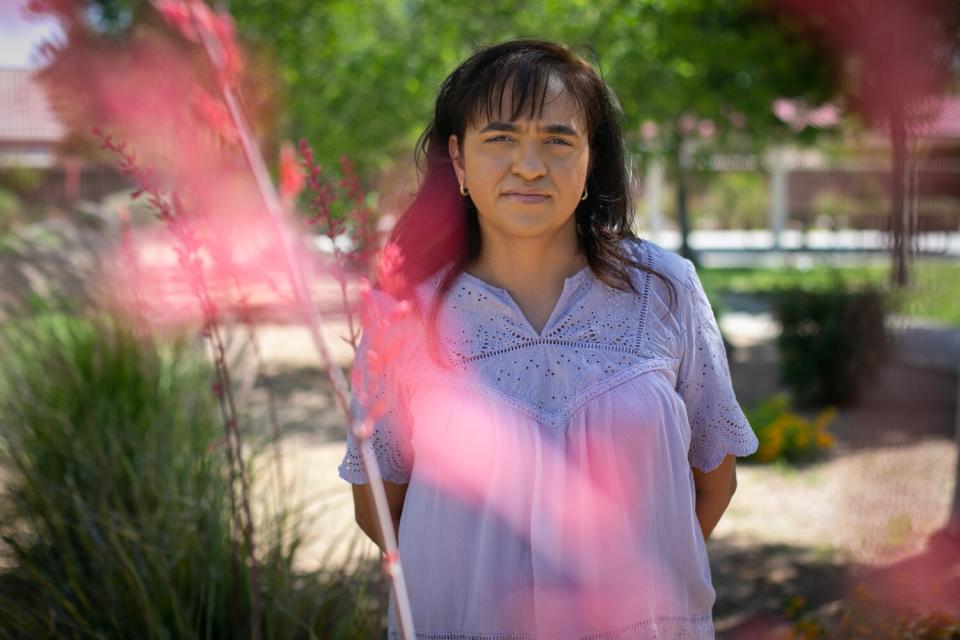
[863, 209]
[830, 342]
[732, 200]
[116, 515]
[709, 58]
[864, 616]
[23, 181]
[771, 280]
[805, 626]
[786, 435]
[933, 293]
[360, 78]
[9, 210]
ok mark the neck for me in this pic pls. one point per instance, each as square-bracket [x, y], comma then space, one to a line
[528, 264]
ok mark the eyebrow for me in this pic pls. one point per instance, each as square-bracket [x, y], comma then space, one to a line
[560, 129]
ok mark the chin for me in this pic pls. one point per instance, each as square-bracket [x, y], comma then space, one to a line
[530, 227]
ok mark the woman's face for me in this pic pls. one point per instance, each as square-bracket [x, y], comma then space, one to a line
[525, 176]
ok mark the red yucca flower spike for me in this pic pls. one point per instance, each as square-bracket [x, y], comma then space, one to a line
[214, 114]
[291, 176]
[323, 194]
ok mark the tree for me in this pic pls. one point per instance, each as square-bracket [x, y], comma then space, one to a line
[718, 65]
[672, 62]
[896, 60]
[359, 78]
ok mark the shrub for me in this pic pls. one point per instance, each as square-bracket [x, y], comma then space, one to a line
[831, 341]
[9, 209]
[23, 181]
[116, 512]
[733, 200]
[785, 435]
[857, 209]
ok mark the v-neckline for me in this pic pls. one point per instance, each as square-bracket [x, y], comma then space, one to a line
[568, 286]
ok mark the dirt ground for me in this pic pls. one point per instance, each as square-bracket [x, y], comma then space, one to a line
[813, 530]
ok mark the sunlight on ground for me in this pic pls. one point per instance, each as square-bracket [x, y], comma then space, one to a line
[873, 506]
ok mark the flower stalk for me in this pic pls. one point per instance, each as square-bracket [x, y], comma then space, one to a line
[221, 53]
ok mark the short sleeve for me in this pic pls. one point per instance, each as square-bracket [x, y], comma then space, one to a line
[376, 381]
[717, 423]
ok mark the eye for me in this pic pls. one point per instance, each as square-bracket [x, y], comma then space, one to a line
[559, 141]
[499, 139]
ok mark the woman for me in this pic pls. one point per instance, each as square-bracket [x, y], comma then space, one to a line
[558, 429]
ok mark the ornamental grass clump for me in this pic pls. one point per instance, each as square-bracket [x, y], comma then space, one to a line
[115, 511]
[176, 114]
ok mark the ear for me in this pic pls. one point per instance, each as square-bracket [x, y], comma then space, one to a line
[453, 148]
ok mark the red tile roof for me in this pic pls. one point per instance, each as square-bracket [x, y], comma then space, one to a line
[25, 114]
[945, 124]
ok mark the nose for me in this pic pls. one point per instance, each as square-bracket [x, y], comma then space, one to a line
[527, 162]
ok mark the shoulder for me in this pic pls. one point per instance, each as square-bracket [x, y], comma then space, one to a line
[660, 260]
[387, 320]
[378, 304]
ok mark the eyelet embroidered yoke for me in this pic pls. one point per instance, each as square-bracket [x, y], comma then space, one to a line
[550, 491]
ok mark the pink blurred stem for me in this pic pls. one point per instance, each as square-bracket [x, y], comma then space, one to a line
[314, 320]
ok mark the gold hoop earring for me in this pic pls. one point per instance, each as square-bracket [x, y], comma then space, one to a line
[463, 191]
[584, 196]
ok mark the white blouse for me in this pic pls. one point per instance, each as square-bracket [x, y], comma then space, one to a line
[550, 485]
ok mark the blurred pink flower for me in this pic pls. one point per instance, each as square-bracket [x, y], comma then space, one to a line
[785, 109]
[687, 123]
[389, 275]
[238, 263]
[181, 14]
[214, 114]
[649, 130]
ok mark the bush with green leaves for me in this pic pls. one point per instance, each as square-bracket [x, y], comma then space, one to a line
[9, 209]
[732, 200]
[864, 206]
[116, 517]
[832, 341]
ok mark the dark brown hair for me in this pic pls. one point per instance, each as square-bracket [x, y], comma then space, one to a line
[440, 227]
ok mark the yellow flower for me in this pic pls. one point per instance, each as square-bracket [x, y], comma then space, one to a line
[766, 452]
[825, 440]
[825, 418]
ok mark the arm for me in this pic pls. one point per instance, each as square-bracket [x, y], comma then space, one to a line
[714, 490]
[365, 512]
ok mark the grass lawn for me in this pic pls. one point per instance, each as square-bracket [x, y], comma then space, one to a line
[934, 292]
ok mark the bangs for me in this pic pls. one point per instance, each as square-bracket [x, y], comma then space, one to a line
[518, 85]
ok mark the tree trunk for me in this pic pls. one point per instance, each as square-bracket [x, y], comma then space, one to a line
[953, 524]
[898, 210]
[683, 213]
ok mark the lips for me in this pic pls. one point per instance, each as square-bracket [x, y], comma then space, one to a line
[526, 197]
